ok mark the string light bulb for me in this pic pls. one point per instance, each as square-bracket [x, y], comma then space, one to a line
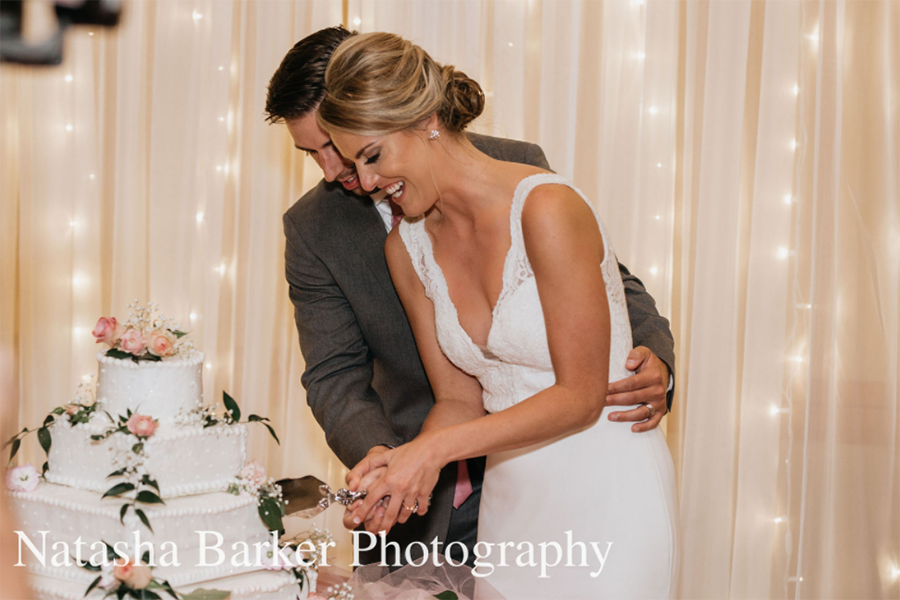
[793, 144]
[69, 127]
[653, 110]
[783, 252]
[653, 270]
[780, 519]
[796, 90]
[209, 365]
[659, 165]
[641, 56]
[777, 410]
[193, 316]
[69, 78]
[200, 217]
[196, 16]
[788, 199]
[357, 21]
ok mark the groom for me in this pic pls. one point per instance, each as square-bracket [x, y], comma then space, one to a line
[364, 380]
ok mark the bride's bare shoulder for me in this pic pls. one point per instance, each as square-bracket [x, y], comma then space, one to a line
[554, 213]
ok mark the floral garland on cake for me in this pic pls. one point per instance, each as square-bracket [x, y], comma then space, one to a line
[147, 335]
[79, 410]
[125, 576]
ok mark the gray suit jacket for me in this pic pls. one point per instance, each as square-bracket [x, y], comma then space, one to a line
[364, 379]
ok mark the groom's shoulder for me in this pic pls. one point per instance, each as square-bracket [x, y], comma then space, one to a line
[313, 202]
[510, 150]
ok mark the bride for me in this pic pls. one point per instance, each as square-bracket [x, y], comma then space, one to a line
[512, 289]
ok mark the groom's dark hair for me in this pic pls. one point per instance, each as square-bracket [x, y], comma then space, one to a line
[298, 86]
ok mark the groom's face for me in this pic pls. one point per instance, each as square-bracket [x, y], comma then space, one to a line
[313, 140]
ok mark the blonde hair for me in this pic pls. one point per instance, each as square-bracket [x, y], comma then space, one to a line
[378, 83]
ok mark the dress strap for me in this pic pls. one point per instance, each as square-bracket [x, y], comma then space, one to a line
[411, 232]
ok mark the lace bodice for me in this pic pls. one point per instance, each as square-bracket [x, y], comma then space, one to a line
[515, 363]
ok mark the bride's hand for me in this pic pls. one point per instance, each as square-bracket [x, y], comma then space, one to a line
[412, 472]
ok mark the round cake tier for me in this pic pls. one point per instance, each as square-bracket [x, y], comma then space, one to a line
[262, 585]
[183, 460]
[78, 517]
[160, 389]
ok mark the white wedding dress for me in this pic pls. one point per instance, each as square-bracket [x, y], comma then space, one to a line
[604, 484]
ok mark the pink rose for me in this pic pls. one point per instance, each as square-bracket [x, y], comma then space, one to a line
[132, 341]
[72, 409]
[141, 425]
[105, 330]
[254, 473]
[161, 343]
[24, 478]
[133, 574]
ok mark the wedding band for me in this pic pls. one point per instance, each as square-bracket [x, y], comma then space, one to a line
[652, 412]
[413, 508]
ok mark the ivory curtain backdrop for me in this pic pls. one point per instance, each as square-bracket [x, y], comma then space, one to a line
[745, 155]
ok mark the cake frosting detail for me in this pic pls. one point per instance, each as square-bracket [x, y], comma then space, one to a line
[160, 389]
[184, 460]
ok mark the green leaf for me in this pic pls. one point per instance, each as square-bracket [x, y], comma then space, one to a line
[202, 594]
[87, 566]
[123, 419]
[270, 513]
[148, 497]
[137, 448]
[272, 431]
[151, 482]
[149, 595]
[98, 437]
[45, 439]
[118, 490]
[15, 437]
[170, 590]
[122, 513]
[121, 591]
[15, 448]
[148, 357]
[257, 418]
[45, 468]
[49, 419]
[93, 584]
[143, 519]
[177, 333]
[116, 473]
[447, 595]
[232, 407]
[146, 558]
[116, 353]
[110, 552]
[58, 410]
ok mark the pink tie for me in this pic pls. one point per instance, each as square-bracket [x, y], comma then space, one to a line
[463, 485]
[396, 213]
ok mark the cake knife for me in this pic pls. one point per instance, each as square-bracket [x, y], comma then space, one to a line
[308, 496]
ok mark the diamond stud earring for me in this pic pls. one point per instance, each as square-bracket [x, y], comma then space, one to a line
[434, 134]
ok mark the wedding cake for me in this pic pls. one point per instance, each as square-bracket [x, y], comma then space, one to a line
[146, 458]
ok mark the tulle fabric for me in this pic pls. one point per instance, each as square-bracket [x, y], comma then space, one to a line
[374, 582]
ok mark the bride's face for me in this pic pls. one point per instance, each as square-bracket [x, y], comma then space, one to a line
[397, 163]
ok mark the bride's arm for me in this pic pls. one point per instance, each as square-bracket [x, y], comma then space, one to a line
[565, 250]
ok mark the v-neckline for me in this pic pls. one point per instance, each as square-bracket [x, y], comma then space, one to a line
[429, 251]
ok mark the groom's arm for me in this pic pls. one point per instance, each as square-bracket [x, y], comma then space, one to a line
[339, 372]
[648, 327]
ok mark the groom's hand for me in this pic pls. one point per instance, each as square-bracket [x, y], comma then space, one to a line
[364, 467]
[374, 517]
[648, 385]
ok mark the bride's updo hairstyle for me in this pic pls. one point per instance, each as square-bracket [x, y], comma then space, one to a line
[379, 83]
